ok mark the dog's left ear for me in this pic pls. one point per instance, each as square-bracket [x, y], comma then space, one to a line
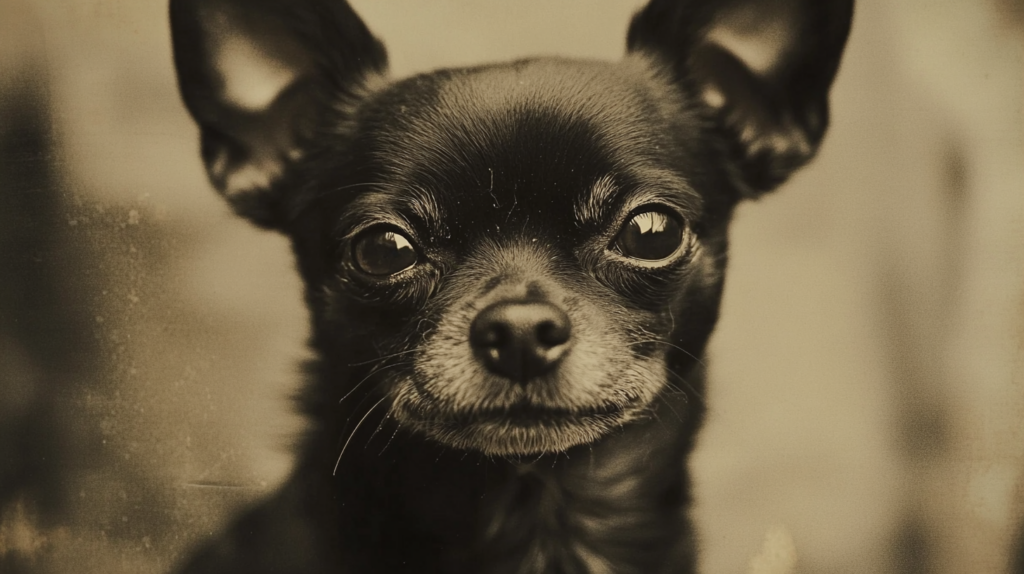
[260, 77]
[762, 67]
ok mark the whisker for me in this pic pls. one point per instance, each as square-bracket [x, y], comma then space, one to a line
[675, 389]
[671, 408]
[673, 345]
[383, 357]
[383, 420]
[353, 433]
[372, 372]
[387, 444]
[689, 385]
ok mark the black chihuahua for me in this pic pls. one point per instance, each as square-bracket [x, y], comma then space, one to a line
[512, 272]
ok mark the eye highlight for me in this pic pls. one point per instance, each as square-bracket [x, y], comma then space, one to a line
[383, 252]
[652, 234]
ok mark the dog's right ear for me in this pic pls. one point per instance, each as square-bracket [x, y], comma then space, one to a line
[260, 77]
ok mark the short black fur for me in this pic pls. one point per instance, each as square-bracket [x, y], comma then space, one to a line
[500, 386]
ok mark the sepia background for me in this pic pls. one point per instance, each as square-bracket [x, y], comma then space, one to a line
[867, 389]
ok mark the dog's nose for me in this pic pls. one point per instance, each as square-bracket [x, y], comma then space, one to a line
[520, 340]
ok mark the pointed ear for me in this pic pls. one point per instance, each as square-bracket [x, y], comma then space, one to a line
[260, 77]
[762, 67]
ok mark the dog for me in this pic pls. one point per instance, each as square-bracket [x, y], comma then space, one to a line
[512, 272]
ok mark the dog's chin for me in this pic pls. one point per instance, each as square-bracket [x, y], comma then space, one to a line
[522, 430]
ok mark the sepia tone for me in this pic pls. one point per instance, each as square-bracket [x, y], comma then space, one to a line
[866, 385]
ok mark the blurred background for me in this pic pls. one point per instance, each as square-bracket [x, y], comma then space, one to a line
[867, 389]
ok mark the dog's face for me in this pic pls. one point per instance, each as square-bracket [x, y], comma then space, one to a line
[525, 256]
[530, 230]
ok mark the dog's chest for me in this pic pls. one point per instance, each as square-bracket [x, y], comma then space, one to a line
[617, 506]
[544, 520]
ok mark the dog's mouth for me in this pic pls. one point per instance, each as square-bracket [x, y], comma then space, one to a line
[524, 414]
[522, 428]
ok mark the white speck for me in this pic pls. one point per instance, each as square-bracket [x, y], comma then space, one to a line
[133, 217]
[777, 554]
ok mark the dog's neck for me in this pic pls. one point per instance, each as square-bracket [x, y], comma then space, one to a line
[617, 505]
[621, 501]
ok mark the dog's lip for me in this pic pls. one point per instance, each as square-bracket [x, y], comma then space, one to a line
[521, 413]
[527, 414]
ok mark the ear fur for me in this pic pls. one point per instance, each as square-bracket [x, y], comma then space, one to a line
[259, 77]
[762, 67]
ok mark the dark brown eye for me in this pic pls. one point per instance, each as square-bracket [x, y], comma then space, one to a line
[383, 252]
[650, 235]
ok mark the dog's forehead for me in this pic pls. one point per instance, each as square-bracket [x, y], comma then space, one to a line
[463, 117]
[531, 140]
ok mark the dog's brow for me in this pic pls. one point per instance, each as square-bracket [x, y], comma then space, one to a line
[386, 204]
[424, 206]
[659, 187]
[590, 206]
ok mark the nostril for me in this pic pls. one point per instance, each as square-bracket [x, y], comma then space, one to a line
[491, 335]
[553, 333]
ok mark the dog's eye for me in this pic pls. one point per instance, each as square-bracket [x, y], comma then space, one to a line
[383, 252]
[650, 235]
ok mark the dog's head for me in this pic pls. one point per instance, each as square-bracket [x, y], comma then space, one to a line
[525, 255]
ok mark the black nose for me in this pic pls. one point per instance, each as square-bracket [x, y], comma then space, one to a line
[520, 339]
